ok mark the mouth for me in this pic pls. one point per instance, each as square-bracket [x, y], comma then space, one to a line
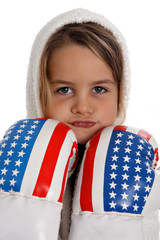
[83, 124]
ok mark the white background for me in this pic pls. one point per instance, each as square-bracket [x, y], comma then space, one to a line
[138, 20]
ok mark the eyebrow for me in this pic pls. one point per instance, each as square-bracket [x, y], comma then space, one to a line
[58, 81]
[61, 82]
[104, 81]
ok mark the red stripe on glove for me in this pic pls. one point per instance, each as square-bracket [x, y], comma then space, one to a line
[86, 189]
[50, 160]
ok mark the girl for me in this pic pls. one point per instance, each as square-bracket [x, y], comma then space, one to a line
[78, 74]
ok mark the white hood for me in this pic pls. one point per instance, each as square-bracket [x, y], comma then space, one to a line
[73, 16]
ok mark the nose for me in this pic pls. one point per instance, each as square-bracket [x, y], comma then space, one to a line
[82, 105]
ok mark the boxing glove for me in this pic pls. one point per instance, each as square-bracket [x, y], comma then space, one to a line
[36, 156]
[117, 195]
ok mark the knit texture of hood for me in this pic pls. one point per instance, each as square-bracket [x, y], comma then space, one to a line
[74, 16]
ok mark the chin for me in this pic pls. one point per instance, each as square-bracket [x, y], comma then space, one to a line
[84, 139]
[84, 136]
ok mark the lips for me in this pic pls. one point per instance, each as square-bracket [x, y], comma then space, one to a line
[83, 124]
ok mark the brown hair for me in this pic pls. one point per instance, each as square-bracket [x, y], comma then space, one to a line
[93, 36]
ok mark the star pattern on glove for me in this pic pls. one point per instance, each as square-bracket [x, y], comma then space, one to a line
[13, 157]
[128, 173]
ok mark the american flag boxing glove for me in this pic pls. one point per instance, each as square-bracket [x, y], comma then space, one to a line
[118, 189]
[36, 156]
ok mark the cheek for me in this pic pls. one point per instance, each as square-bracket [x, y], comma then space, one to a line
[57, 111]
[109, 113]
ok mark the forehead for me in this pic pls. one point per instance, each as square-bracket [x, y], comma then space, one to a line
[75, 61]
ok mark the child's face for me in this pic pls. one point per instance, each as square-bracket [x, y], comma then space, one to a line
[84, 92]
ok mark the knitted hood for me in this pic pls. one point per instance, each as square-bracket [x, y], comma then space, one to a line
[74, 16]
